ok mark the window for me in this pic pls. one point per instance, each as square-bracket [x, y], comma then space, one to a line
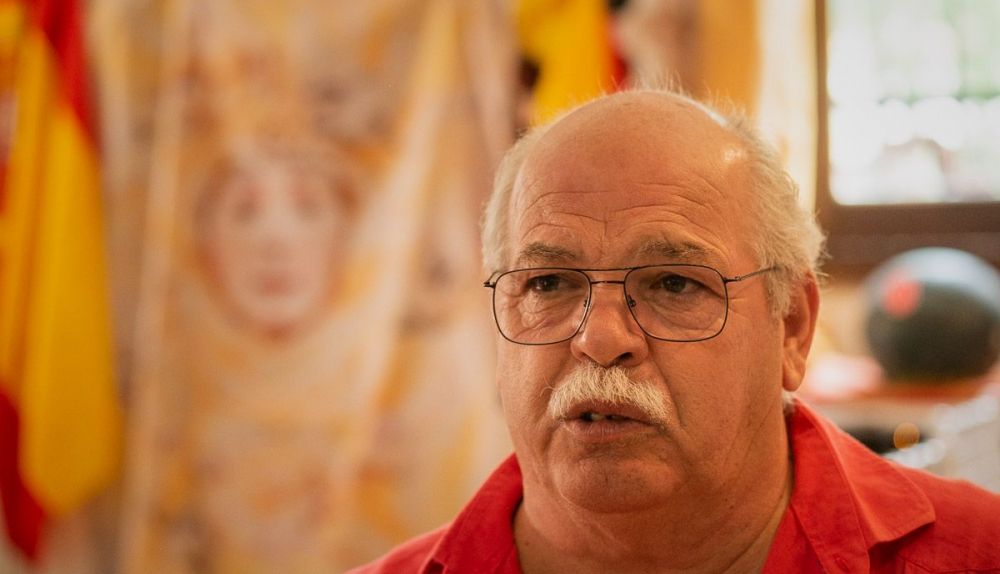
[909, 95]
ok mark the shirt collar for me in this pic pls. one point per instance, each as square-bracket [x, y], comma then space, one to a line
[846, 498]
[481, 539]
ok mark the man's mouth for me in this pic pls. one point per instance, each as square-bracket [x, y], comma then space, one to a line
[607, 412]
[604, 423]
[592, 417]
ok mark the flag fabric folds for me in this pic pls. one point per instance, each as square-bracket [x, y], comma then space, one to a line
[59, 408]
[571, 44]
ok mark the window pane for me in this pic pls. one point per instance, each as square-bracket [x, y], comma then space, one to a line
[914, 92]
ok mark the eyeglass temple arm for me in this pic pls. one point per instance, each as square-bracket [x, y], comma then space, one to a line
[749, 275]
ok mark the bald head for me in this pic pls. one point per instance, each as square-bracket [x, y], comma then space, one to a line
[658, 126]
[638, 108]
[717, 162]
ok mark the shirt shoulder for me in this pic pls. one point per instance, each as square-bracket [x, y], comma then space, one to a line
[480, 539]
[410, 556]
[965, 533]
[858, 509]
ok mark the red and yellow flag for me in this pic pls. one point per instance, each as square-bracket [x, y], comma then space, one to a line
[60, 416]
[571, 43]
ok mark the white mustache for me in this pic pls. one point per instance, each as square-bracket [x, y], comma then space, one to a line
[612, 385]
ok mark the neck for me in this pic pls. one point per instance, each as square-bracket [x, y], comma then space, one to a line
[727, 530]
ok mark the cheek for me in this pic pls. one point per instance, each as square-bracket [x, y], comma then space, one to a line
[523, 377]
[761, 345]
[510, 378]
[719, 384]
[227, 255]
[320, 233]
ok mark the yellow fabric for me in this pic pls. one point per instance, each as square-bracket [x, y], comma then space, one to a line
[730, 51]
[568, 40]
[56, 331]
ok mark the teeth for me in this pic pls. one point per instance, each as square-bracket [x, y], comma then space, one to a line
[594, 417]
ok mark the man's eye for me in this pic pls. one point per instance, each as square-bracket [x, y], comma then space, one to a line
[545, 283]
[676, 284]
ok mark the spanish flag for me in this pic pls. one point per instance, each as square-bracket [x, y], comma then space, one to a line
[60, 418]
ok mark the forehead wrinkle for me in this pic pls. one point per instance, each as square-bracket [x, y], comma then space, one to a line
[685, 238]
[691, 205]
[543, 217]
[552, 226]
[695, 204]
[708, 184]
[666, 184]
[698, 178]
[529, 208]
[718, 202]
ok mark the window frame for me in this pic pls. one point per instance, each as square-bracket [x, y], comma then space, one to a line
[860, 237]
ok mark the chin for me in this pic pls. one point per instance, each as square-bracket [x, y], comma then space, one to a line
[613, 485]
[274, 322]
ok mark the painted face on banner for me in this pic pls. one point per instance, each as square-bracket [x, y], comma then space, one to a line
[272, 235]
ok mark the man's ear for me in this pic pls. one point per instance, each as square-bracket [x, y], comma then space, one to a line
[799, 326]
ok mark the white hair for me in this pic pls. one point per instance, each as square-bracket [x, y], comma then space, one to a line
[785, 235]
[613, 385]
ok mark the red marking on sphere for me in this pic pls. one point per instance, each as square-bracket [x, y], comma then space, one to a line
[902, 295]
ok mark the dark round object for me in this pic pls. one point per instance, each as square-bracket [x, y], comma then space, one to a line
[934, 315]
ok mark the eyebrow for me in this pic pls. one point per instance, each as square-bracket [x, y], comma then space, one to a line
[683, 252]
[537, 252]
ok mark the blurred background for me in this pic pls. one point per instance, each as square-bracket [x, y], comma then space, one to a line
[242, 327]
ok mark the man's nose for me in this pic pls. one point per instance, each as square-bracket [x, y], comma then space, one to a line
[609, 335]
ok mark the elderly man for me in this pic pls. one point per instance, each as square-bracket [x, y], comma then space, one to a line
[655, 297]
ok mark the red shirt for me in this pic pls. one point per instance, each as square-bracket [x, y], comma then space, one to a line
[851, 511]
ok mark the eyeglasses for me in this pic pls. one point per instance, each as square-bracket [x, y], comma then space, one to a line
[672, 302]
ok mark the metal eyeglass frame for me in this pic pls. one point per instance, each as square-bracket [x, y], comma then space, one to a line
[491, 283]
